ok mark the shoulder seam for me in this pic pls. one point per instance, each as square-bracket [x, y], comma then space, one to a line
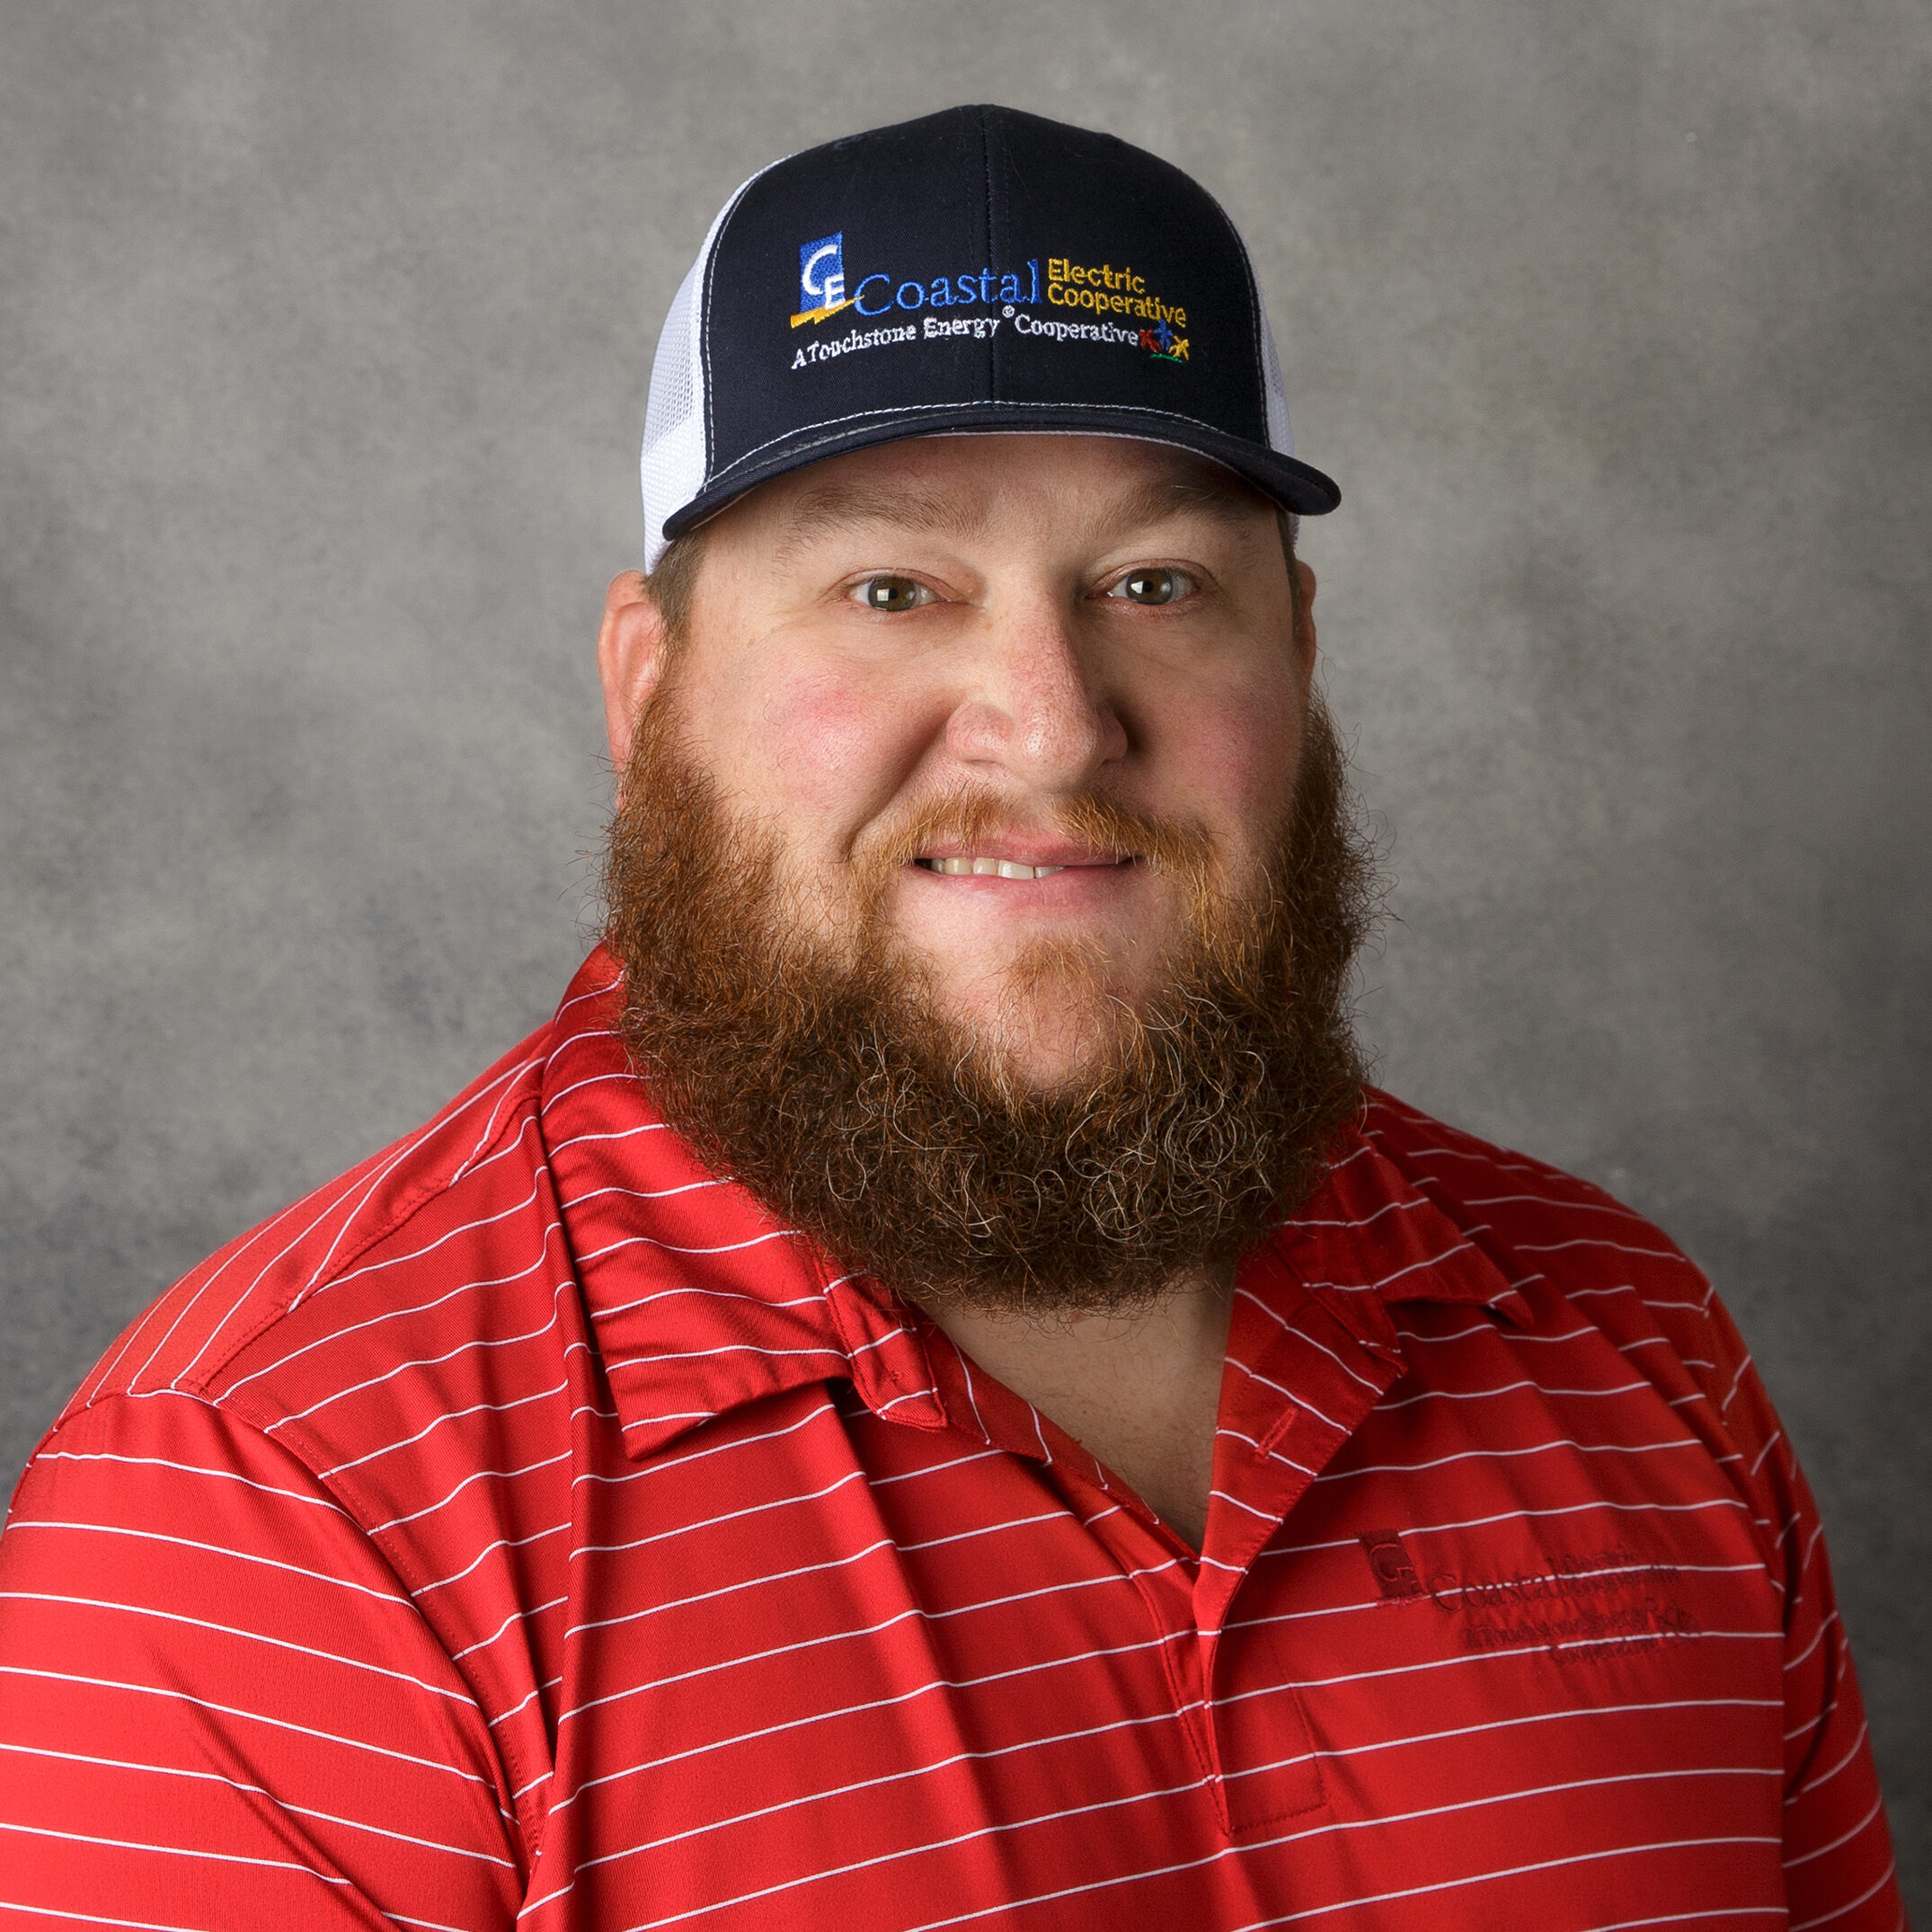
[411, 1204]
[405, 1211]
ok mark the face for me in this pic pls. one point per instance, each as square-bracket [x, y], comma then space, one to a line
[1021, 704]
[984, 881]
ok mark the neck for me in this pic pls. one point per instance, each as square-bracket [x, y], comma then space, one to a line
[1141, 1392]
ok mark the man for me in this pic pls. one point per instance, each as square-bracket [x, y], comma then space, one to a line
[931, 1394]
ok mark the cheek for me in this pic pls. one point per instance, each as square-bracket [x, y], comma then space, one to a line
[1236, 756]
[824, 751]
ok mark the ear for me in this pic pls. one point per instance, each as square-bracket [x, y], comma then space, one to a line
[1304, 629]
[630, 658]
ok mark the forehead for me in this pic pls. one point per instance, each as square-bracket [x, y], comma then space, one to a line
[967, 484]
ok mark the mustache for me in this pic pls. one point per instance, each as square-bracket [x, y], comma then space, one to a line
[1224, 929]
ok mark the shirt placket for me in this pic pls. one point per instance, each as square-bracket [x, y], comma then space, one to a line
[1304, 1370]
[1302, 1377]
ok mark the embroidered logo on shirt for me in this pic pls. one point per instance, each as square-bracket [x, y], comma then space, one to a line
[1586, 1605]
[1394, 1568]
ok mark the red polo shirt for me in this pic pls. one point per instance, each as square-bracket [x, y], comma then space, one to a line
[525, 1523]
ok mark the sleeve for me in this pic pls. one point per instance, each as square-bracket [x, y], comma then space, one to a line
[218, 1707]
[1839, 1868]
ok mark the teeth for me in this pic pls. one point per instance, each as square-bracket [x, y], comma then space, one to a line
[984, 868]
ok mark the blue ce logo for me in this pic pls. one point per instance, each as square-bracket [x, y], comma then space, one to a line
[822, 279]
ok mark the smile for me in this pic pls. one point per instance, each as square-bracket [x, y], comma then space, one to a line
[984, 868]
[978, 866]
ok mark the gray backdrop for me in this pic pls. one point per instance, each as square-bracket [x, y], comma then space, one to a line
[324, 332]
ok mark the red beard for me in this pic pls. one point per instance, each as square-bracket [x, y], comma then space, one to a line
[823, 1078]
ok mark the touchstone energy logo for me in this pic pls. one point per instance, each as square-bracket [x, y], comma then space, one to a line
[1106, 291]
[822, 279]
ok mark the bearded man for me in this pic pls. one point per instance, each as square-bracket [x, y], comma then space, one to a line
[931, 1394]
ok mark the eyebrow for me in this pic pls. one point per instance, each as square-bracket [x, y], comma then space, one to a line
[1230, 503]
[837, 506]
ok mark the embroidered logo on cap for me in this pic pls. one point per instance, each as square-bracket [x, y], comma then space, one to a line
[1104, 290]
[822, 279]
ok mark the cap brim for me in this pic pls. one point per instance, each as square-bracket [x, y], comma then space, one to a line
[1296, 485]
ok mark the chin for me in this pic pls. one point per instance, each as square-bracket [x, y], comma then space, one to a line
[1049, 1040]
[1053, 1073]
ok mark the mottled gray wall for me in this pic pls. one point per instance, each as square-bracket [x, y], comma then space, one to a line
[324, 337]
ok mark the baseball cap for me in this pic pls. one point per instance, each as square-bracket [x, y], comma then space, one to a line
[977, 269]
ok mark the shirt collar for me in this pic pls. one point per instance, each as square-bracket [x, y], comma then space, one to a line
[1370, 1239]
[702, 1301]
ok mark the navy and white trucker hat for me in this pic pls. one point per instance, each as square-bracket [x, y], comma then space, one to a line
[977, 270]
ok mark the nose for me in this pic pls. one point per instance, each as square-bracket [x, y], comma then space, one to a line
[1036, 703]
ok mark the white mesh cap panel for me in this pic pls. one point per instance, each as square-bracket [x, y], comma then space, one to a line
[675, 457]
[1274, 391]
[1280, 435]
[673, 466]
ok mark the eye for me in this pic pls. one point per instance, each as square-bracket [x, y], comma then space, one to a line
[892, 593]
[1153, 587]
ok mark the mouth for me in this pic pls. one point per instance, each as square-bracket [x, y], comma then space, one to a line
[1000, 865]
